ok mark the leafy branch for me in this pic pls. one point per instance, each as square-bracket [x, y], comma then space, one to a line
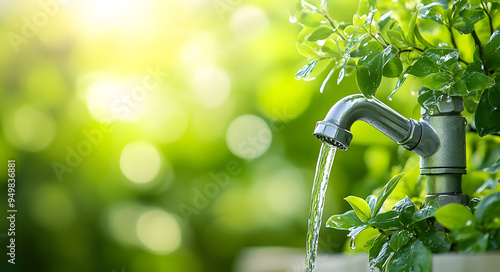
[375, 46]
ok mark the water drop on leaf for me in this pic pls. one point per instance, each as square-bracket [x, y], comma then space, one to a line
[353, 243]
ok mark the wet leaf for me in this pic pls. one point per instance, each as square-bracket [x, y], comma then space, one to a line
[372, 201]
[494, 168]
[401, 80]
[399, 239]
[397, 38]
[492, 52]
[360, 206]
[369, 243]
[307, 51]
[460, 88]
[411, 29]
[386, 191]
[305, 71]
[426, 212]
[393, 68]
[455, 216]
[320, 34]
[434, 60]
[386, 221]
[379, 253]
[311, 18]
[487, 118]
[477, 82]
[440, 81]
[434, 11]
[436, 241]
[488, 211]
[429, 98]
[366, 6]
[344, 221]
[354, 31]
[406, 208]
[464, 21]
[412, 257]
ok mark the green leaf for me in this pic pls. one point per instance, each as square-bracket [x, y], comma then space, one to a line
[478, 82]
[393, 68]
[360, 206]
[487, 118]
[369, 74]
[397, 38]
[386, 191]
[436, 241]
[353, 31]
[434, 11]
[440, 81]
[320, 34]
[355, 231]
[434, 60]
[455, 216]
[411, 29]
[470, 241]
[400, 238]
[305, 71]
[345, 221]
[494, 168]
[369, 243]
[307, 51]
[488, 211]
[460, 88]
[412, 257]
[429, 98]
[311, 18]
[464, 21]
[492, 52]
[407, 208]
[421, 38]
[372, 201]
[366, 6]
[379, 253]
[494, 93]
[370, 68]
[427, 212]
[386, 221]
[401, 80]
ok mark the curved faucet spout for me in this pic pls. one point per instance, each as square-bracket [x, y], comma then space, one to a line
[417, 136]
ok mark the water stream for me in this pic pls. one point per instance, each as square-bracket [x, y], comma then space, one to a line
[323, 168]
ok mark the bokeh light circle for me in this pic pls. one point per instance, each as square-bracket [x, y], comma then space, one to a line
[248, 136]
[248, 21]
[30, 129]
[140, 162]
[159, 232]
[211, 86]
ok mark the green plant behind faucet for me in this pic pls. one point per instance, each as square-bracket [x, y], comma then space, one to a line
[453, 46]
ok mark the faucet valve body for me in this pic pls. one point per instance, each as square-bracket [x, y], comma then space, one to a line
[444, 168]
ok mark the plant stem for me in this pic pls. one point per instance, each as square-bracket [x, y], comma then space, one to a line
[489, 17]
[452, 38]
[336, 29]
[478, 43]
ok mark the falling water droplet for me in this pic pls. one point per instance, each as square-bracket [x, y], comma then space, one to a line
[292, 19]
[353, 243]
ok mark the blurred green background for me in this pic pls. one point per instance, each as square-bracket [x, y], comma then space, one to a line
[169, 135]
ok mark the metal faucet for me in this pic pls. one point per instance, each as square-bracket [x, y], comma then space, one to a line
[438, 138]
